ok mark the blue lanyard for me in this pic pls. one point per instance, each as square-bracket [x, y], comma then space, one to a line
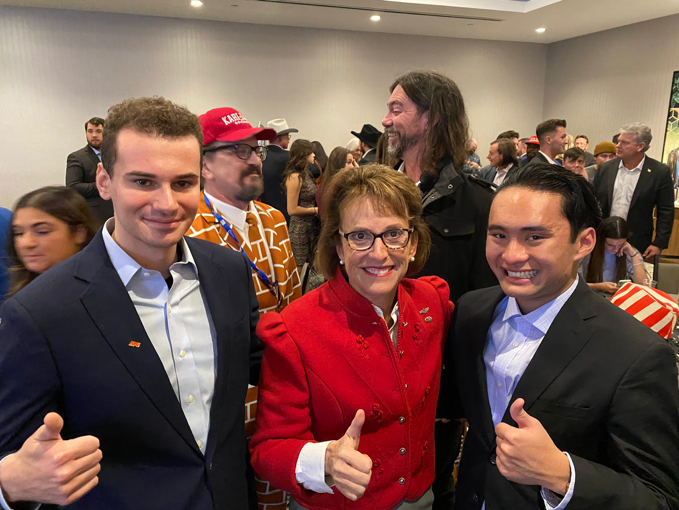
[273, 287]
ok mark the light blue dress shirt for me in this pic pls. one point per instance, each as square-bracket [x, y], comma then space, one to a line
[179, 325]
[98, 153]
[513, 340]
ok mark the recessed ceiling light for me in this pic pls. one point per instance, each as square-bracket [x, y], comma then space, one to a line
[540, 30]
[196, 3]
[375, 18]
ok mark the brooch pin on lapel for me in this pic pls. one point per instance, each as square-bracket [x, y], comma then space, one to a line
[424, 310]
[134, 344]
[428, 319]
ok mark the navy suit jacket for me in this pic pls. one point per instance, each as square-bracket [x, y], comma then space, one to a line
[64, 347]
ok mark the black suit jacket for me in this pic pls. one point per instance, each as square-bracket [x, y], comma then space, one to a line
[368, 157]
[64, 347]
[654, 190]
[81, 173]
[272, 169]
[539, 158]
[602, 384]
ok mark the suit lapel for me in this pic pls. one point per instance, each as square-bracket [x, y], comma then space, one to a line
[566, 337]
[610, 177]
[644, 183]
[480, 411]
[92, 155]
[108, 304]
[214, 283]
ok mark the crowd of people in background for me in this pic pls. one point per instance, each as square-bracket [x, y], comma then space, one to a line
[393, 293]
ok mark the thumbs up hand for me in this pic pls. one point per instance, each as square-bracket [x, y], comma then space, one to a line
[349, 469]
[48, 469]
[527, 455]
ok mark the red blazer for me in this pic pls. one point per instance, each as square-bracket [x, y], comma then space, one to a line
[327, 355]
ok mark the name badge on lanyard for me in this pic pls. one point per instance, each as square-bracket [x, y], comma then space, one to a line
[272, 286]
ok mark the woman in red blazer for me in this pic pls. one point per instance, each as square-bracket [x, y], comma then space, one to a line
[351, 371]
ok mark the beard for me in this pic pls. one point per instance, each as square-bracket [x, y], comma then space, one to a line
[251, 190]
[403, 143]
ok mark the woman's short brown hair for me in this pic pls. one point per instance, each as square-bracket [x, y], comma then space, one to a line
[390, 192]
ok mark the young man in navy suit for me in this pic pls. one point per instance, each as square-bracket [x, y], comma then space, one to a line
[123, 371]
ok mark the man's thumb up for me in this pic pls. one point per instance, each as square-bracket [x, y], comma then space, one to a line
[354, 430]
[519, 414]
[51, 429]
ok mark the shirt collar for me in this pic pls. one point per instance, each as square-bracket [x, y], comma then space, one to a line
[95, 151]
[237, 217]
[394, 313]
[506, 169]
[542, 317]
[548, 158]
[637, 168]
[126, 266]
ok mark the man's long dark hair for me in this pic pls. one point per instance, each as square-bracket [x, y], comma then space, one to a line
[448, 128]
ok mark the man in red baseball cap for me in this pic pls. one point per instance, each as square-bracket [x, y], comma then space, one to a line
[230, 215]
[532, 148]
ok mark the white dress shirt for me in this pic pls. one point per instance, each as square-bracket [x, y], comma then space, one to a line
[513, 340]
[179, 325]
[310, 467]
[623, 190]
[501, 174]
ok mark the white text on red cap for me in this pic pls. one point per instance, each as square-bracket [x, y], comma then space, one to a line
[234, 118]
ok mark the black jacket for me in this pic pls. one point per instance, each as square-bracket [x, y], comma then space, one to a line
[272, 169]
[603, 385]
[65, 347]
[81, 173]
[368, 157]
[456, 209]
[654, 189]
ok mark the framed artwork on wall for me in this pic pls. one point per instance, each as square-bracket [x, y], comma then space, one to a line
[671, 144]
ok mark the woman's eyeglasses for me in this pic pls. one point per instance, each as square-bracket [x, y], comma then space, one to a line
[362, 240]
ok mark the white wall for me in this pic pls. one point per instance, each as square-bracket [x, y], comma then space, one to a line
[601, 81]
[58, 68]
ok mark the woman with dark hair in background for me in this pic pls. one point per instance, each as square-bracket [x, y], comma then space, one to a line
[340, 159]
[613, 258]
[318, 167]
[300, 188]
[49, 225]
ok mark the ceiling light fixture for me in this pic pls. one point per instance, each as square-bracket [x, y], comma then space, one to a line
[196, 3]
[540, 30]
[375, 17]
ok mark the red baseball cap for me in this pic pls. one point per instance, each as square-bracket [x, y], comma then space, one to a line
[229, 125]
[534, 139]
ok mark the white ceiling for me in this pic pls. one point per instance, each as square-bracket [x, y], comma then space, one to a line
[497, 20]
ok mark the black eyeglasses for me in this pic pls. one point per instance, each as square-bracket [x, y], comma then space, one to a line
[242, 151]
[394, 239]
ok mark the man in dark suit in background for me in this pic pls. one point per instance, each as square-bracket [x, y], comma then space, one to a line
[582, 143]
[367, 141]
[632, 185]
[553, 139]
[572, 402]
[81, 170]
[274, 166]
[138, 348]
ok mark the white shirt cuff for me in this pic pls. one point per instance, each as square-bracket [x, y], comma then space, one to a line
[4, 505]
[310, 468]
[553, 501]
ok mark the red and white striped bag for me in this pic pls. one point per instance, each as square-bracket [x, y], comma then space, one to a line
[651, 306]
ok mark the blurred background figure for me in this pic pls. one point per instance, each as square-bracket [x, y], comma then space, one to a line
[503, 161]
[367, 139]
[340, 159]
[603, 152]
[582, 142]
[274, 166]
[49, 225]
[318, 166]
[382, 155]
[5, 261]
[532, 148]
[574, 160]
[354, 146]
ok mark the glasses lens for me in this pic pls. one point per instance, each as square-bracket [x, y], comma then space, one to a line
[261, 152]
[243, 151]
[360, 240]
[397, 238]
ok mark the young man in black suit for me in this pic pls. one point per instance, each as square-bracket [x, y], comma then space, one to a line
[81, 170]
[571, 402]
[139, 348]
[632, 185]
[553, 139]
